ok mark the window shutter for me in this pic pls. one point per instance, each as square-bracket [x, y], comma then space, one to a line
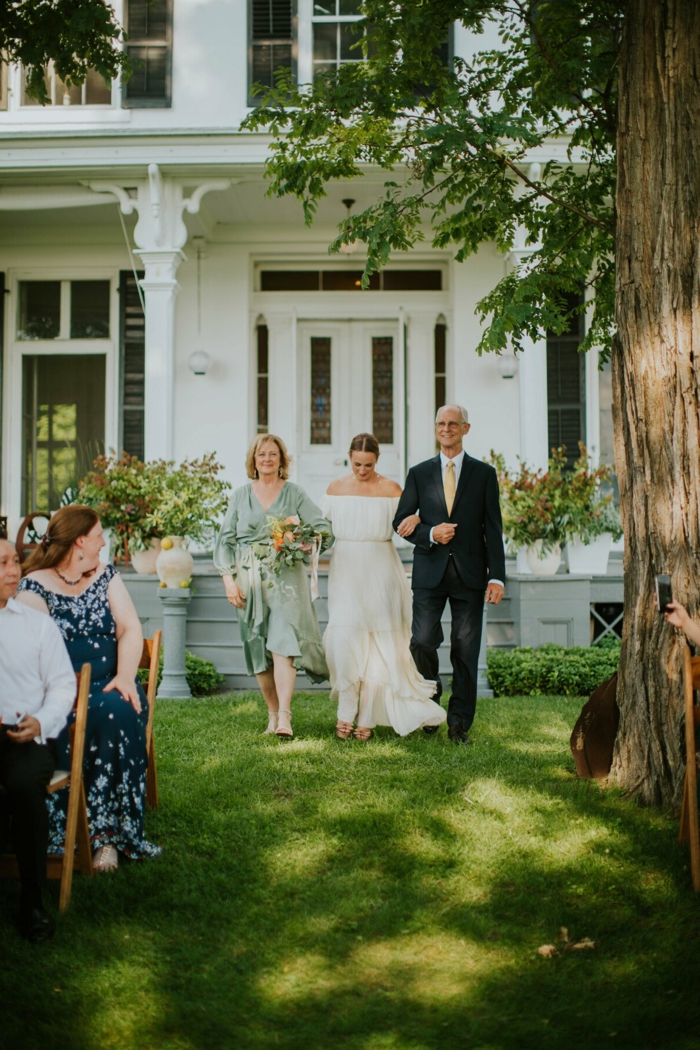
[566, 388]
[133, 366]
[149, 27]
[272, 31]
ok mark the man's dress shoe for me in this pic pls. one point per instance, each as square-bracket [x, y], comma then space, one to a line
[429, 730]
[457, 735]
[35, 925]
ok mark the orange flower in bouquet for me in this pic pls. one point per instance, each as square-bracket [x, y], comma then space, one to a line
[290, 542]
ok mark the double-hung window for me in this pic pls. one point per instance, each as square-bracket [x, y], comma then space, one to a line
[272, 42]
[335, 33]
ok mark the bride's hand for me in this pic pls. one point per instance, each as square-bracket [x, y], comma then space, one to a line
[234, 594]
[408, 525]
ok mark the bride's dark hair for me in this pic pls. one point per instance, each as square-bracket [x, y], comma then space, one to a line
[365, 443]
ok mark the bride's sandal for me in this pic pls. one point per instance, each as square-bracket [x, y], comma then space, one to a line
[362, 733]
[105, 858]
[271, 724]
[284, 730]
[343, 730]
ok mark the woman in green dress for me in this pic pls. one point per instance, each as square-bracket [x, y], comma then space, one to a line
[279, 627]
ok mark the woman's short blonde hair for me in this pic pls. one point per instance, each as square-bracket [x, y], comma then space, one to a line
[255, 446]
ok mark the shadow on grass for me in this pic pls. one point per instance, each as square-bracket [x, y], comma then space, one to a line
[315, 894]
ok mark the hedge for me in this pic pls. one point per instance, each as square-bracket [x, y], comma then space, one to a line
[202, 677]
[551, 670]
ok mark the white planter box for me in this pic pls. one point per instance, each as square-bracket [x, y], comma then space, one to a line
[589, 559]
[543, 564]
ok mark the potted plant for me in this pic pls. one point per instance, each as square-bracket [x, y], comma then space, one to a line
[191, 503]
[588, 549]
[124, 491]
[535, 511]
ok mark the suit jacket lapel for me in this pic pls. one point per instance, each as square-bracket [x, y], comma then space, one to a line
[467, 467]
[436, 473]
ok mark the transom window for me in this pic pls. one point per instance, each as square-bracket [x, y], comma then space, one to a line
[350, 281]
[63, 310]
[335, 33]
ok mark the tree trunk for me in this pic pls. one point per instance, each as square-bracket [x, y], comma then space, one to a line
[656, 377]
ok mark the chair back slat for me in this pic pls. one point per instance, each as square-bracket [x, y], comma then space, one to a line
[155, 643]
[695, 670]
[145, 661]
[690, 664]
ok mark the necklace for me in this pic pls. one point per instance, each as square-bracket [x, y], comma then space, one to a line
[72, 583]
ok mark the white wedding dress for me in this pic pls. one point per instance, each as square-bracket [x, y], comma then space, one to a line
[372, 673]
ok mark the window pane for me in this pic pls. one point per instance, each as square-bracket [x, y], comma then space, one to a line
[325, 42]
[440, 351]
[320, 391]
[350, 36]
[262, 379]
[325, 7]
[97, 91]
[89, 309]
[383, 389]
[39, 309]
[412, 280]
[348, 281]
[68, 96]
[267, 58]
[150, 72]
[324, 67]
[64, 416]
[289, 281]
[349, 7]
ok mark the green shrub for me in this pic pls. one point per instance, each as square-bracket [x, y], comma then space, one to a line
[202, 677]
[551, 669]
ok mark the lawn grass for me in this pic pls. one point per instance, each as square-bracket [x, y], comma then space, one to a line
[387, 896]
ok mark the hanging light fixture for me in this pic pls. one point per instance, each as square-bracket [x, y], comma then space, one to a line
[199, 362]
[348, 249]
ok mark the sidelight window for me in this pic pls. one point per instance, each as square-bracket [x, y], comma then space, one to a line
[320, 390]
[566, 385]
[383, 389]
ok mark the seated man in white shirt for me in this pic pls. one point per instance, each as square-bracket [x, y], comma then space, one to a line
[38, 691]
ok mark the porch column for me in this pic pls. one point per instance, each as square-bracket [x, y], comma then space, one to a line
[420, 385]
[160, 289]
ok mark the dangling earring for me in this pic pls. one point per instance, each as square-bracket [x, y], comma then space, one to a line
[80, 555]
[279, 472]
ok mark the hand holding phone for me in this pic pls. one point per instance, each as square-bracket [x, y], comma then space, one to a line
[664, 593]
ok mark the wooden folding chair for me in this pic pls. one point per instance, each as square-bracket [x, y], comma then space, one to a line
[150, 660]
[689, 829]
[61, 866]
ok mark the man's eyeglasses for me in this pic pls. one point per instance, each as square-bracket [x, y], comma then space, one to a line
[449, 426]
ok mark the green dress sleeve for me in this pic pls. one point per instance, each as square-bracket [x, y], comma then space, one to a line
[225, 548]
[311, 515]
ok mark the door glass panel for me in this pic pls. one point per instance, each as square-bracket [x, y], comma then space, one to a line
[89, 309]
[39, 310]
[63, 424]
[383, 389]
[320, 390]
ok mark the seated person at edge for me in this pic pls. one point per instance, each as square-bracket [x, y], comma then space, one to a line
[278, 624]
[38, 691]
[93, 611]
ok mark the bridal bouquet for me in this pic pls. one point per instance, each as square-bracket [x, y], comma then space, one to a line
[290, 542]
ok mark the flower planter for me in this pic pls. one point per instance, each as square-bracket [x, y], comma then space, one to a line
[521, 563]
[174, 564]
[543, 564]
[589, 559]
[145, 561]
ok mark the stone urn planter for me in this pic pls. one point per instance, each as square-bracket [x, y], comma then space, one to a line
[543, 564]
[589, 559]
[145, 561]
[174, 564]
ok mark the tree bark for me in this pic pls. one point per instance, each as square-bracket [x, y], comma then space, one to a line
[656, 377]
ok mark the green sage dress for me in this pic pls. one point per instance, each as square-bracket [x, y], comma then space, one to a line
[279, 619]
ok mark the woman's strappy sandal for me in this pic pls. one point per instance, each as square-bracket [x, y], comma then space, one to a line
[271, 724]
[285, 731]
[343, 730]
[105, 858]
[362, 733]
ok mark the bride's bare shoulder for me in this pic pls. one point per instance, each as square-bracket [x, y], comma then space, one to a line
[390, 488]
[340, 486]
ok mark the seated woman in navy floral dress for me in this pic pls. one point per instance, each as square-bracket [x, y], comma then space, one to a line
[97, 619]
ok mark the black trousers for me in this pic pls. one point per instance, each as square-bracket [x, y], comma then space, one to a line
[25, 772]
[467, 608]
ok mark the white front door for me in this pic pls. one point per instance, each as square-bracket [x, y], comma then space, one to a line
[350, 382]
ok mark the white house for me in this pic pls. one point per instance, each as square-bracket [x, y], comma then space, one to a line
[156, 179]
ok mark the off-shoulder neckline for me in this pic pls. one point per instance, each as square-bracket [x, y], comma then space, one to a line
[346, 495]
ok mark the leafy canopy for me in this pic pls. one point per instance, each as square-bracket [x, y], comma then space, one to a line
[460, 148]
[78, 35]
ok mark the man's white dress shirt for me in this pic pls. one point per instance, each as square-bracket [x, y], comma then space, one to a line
[458, 461]
[36, 675]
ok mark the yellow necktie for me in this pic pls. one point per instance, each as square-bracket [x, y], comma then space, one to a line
[449, 485]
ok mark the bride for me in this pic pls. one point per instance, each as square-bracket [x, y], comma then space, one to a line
[372, 673]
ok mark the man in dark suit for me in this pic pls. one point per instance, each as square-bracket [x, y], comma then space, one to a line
[459, 555]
